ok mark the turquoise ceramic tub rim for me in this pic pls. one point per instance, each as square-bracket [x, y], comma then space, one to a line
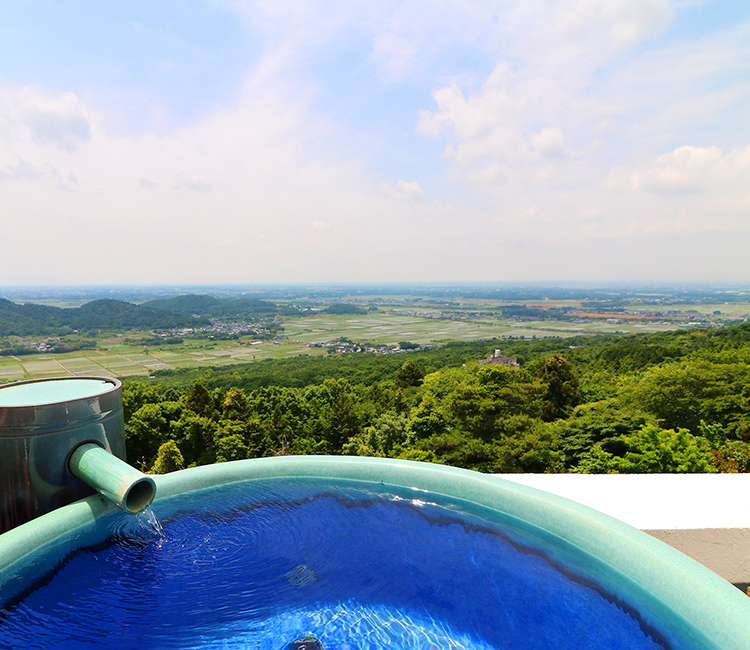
[672, 588]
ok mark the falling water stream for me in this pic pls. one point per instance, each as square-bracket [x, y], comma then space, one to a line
[149, 522]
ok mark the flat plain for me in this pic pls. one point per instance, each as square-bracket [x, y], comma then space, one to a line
[114, 357]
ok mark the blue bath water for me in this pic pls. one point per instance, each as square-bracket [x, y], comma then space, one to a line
[260, 566]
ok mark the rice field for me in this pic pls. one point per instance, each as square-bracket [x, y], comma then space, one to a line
[115, 358]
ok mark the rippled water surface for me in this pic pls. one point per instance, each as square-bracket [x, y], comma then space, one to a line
[268, 563]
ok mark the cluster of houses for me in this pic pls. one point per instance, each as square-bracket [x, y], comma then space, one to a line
[220, 327]
[342, 347]
[445, 315]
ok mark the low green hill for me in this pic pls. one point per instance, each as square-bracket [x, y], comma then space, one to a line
[210, 307]
[106, 314]
[344, 308]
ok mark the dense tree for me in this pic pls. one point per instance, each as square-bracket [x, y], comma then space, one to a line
[210, 307]
[168, 459]
[682, 394]
[195, 436]
[231, 442]
[728, 455]
[345, 308]
[234, 406]
[593, 423]
[199, 401]
[654, 451]
[389, 431]
[562, 388]
[135, 395]
[427, 418]
[409, 375]
[148, 428]
[487, 397]
[339, 419]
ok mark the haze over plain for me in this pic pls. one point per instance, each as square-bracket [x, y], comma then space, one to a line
[523, 140]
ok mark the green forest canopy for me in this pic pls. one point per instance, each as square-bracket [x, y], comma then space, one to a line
[666, 402]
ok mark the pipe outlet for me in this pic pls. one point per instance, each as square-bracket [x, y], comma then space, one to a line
[122, 484]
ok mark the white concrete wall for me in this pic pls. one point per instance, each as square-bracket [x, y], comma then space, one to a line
[706, 516]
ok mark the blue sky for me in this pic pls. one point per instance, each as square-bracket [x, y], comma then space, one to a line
[239, 141]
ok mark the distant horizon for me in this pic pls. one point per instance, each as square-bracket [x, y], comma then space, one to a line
[395, 286]
[403, 283]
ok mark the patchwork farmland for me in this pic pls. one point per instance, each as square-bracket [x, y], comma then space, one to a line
[114, 357]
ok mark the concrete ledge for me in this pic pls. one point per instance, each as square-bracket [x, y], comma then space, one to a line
[705, 516]
[725, 551]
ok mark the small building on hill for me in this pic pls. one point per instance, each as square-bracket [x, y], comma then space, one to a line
[500, 360]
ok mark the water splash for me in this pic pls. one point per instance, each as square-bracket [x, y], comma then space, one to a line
[150, 523]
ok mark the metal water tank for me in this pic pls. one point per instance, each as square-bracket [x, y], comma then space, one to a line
[41, 423]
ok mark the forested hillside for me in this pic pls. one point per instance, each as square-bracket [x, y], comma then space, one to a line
[210, 307]
[669, 402]
[241, 308]
[105, 314]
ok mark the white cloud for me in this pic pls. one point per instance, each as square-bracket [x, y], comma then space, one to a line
[411, 190]
[485, 126]
[193, 182]
[495, 133]
[549, 142]
[404, 190]
[490, 174]
[688, 170]
[59, 120]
